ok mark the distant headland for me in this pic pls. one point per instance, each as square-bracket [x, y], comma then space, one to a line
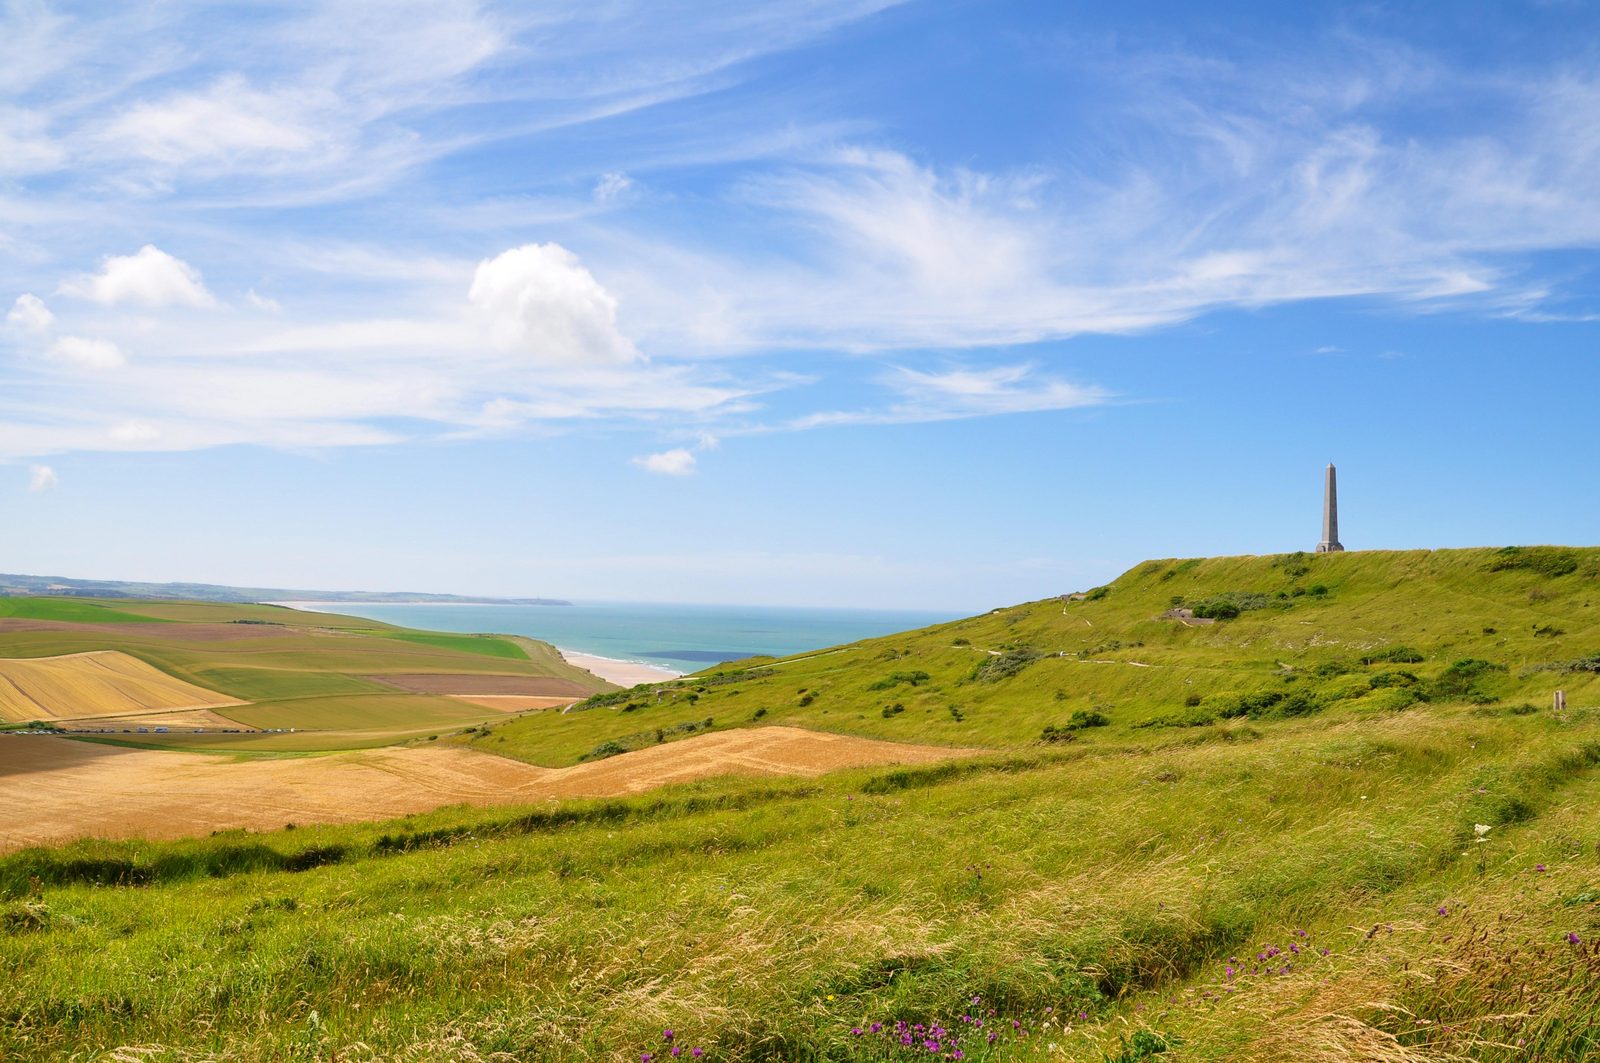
[15, 586]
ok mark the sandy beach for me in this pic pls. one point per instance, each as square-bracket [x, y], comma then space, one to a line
[622, 673]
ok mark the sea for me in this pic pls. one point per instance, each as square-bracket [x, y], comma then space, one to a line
[680, 638]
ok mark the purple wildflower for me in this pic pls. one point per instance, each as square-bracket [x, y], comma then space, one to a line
[1573, 938]
[676, 1051]
[855, 1031]
[667, 1035]
[697, 1052]
[1539, 868]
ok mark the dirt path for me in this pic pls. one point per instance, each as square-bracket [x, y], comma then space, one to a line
[53, 790]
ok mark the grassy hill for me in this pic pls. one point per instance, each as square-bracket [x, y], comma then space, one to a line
[1330, 635]
[1306, 831]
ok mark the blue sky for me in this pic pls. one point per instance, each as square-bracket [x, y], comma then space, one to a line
[939, 305]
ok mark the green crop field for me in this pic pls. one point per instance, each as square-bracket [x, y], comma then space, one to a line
[68, 609]
[486, 645]
[362, 712]
[1341, 822]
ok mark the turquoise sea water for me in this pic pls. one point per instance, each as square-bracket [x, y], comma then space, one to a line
[684, 638]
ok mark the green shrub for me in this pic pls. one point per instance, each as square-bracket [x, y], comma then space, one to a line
[894, 679]
[1005, 665]
[1393, 655]
[1544, 560]
[1230, 604]
[1468, 679]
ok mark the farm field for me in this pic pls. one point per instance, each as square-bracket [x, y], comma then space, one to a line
[94, 684]
[111, 666]
[54, 790]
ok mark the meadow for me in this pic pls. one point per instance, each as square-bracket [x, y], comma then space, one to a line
[1307, 890]
[1340, 821]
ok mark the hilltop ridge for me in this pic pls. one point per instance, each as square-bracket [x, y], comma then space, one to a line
[1267, 637]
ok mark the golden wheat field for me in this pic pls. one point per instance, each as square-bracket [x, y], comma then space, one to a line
[99, 683]
[53, 790]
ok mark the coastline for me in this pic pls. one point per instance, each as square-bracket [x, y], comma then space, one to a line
[622, 673]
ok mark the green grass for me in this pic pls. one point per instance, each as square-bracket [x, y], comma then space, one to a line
[377, 712]
[71, 610]
[1001, 678]
[485, 645]
[1254, 779]
[764, 919]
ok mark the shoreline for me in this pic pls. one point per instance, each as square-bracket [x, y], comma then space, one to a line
[622, 673]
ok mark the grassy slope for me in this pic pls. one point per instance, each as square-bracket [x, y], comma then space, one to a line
[313, 675]
[1121, 659]
[1111, 877]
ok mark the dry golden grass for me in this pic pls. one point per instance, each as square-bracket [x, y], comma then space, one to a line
[98, 683]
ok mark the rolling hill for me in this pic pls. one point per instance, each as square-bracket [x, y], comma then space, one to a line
[1242, 809]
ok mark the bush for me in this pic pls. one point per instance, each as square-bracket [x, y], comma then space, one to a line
[1544, 560]
[1466, 679]
[1393, 655]
[894, 710]
[1228, 605]
[1005, 665]
[1097, 594]
[1093, 718]
[894, 679]
[605, 749]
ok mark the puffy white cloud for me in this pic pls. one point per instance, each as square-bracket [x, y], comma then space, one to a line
[29, 312]
[149, 278]
[539, 300]
[42, 478]
[87, 353]
[676, 462]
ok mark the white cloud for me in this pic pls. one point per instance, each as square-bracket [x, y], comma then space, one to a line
[87, 353]
[227, 120]
[262, 302]
[540, 301]
[612, 186]
[676, 462]
[960, 393]
[29, 312]
[42, 478]
[149, 278]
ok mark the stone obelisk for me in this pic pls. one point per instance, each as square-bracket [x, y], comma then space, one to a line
[1330, 515]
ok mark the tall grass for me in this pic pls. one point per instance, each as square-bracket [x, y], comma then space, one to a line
[760, 921]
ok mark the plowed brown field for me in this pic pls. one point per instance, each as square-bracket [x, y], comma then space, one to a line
[100, 683]
[55, 789]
